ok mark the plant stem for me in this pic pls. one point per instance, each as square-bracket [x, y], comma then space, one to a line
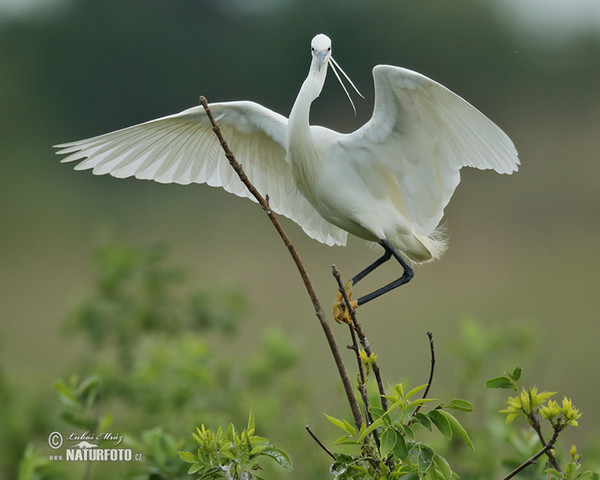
[362, 337]
[264, 203]
[431, 370]
[546, 450]
[535, 424]
[362, 385]
[316, 439]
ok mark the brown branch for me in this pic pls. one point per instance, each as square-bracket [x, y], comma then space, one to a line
[307, 283]
[362, 384]
[363, 339]
[431, 370]
[316, 439]
[535, 424]
[547, 447]
[354, 347]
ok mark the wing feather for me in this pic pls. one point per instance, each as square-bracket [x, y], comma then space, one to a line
[182, 149]
[421, 134]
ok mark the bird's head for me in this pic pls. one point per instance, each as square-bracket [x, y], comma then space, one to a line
[320, 48]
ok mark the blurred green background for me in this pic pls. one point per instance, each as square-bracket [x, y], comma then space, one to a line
[523, 249]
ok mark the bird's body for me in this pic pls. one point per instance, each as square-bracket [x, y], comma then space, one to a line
[357, 200]
[387, 182]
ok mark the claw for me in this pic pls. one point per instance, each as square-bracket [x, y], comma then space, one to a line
[340, 312]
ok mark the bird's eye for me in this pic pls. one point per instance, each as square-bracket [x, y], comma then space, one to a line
[312, 49]
[329, 49]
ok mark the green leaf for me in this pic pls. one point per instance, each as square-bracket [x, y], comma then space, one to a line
[279, 456]
[511, 417]
[246, 439]
[346, 440]
[196, 467]
[415, 390]
[376, 412]
[425, 459]
[423, 420]
[388, 440]
[350, 428]
[258, 450]
[463, 405]
[570, 470]
[400, 449]
[105, 422]
[399, 389]
[230, 435]
[251, 424]
[342, 425]
[516, 374]
[395, 405]
[89, 389]
[65, 393]
[420, 401]
[443, 467]
[211, 472]
[458, 429]
[255, 441]
[542, 397]
[441, 422]
[499, 382]
[408, 431]
[188, 457]
[376, 424]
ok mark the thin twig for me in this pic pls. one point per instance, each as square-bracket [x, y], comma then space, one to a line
[362, 382]
[354, 347]
[431, 370]
[535, 424]
[362, 337]
[532, 460]
[354, 407]
[316, 439]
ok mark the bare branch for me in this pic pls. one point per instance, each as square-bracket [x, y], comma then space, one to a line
[358, 420]
[431, 370]
[316, 439]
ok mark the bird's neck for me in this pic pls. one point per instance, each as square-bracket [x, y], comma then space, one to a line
[299, 121]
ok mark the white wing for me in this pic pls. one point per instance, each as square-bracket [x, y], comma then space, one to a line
[419, 137]
[182, 148]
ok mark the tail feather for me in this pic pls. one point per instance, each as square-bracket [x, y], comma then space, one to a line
[436, 243]
[423, 249]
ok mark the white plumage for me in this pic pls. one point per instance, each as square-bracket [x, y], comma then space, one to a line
[389, 180]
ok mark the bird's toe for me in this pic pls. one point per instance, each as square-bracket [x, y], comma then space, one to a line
[341, 313]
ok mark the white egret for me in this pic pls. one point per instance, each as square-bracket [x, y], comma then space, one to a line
[388, 182]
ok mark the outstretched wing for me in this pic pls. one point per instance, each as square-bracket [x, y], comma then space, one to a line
[419, 137]
[182, 149]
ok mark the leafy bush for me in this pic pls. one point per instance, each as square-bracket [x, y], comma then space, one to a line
[175, 377]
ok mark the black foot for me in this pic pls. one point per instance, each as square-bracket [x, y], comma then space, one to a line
[405, 278]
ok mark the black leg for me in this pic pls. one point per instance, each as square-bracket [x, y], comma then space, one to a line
[405, 278]
[363, 273]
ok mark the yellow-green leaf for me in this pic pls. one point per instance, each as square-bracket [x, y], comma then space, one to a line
[376, 424]
[188, 457]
